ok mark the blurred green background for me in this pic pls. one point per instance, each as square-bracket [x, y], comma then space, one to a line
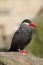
[36, 45]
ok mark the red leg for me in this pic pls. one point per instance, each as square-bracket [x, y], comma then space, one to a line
[22, 51]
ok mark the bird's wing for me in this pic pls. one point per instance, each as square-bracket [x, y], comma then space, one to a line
[22, 36]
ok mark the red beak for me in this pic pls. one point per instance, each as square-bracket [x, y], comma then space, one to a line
[33, 25]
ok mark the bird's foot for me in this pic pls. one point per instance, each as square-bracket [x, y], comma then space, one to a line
[22, 51]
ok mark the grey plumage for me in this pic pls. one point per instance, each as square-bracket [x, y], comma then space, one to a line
[21, 38]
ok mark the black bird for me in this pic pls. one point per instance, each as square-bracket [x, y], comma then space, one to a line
[22, 36]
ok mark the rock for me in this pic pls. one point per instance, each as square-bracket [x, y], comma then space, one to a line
[14, 58]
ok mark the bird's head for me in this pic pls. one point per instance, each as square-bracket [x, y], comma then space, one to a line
[29, 23]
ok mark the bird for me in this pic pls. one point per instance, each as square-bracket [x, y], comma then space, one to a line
[22, 36]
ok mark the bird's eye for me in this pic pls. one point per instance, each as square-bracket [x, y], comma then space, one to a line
[26, 23]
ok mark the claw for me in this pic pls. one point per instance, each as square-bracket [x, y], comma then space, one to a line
[22, 51]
